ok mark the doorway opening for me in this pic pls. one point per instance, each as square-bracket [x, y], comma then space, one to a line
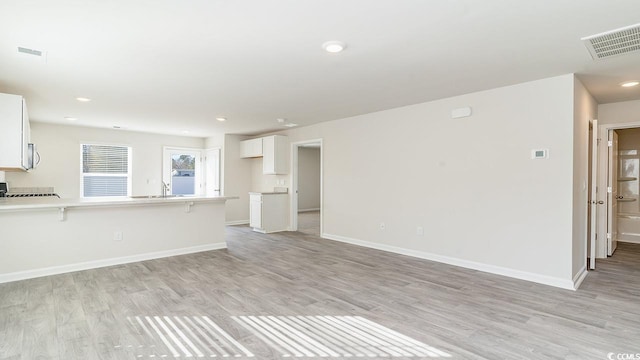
[307, 187]
[617, 205]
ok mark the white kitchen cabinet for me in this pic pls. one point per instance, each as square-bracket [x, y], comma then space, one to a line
[15, 133]
[268, 212]
[274, 149]
[251, 148]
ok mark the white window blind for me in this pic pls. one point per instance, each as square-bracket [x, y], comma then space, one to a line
[106, 170]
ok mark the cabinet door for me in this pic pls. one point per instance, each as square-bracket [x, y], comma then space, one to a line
[268, 152]
[245, 148]
[12, 135]
[251, 148]
[255, 213]
[274, 161]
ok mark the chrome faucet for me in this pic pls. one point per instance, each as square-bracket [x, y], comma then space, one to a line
[165, 189]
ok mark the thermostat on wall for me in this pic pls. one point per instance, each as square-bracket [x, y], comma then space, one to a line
[540, 153]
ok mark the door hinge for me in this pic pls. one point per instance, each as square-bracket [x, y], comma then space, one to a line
[608, 235]
[609, 189]
[610, 143]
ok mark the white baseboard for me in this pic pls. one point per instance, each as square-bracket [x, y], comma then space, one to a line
[579, 278]
[308, 210]
[237, 222]
[499, 270]
[630, 241]
[55, 270]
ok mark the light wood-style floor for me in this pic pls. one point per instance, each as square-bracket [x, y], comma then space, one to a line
[309, 222]
[238, 301]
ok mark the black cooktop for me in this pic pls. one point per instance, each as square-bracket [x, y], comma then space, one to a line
[31, 195]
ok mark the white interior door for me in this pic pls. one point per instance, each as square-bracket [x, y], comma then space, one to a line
[212, 172]
[593, 197]
[612, 208]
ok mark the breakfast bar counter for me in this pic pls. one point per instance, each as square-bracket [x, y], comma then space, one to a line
[34, 203]
[46, 236]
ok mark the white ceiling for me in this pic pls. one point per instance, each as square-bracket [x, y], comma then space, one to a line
[167, 66]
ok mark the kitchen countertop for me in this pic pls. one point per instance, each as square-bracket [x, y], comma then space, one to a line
[34, 203]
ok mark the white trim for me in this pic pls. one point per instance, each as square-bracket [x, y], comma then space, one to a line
[237, 222]
[308, 210]
[629, 241]
[499, 270]
[61, 269]
[579, 278]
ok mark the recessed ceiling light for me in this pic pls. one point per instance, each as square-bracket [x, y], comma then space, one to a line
[83, 99]
[185, 131]
[70, 118]
[630, 83]
[280, 120]
[221, 119]
[290, 125]
[334, 46]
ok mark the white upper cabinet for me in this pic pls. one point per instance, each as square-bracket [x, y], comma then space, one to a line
[251, 148]
[15, 133]
[274, 149]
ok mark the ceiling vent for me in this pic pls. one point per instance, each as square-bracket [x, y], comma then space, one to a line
[32, 54]
[29, 51]
[613, 43]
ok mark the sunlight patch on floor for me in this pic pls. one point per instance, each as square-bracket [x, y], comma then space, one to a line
[182, 336]
[334, 336]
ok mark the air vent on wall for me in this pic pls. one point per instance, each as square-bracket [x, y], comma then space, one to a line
[615, 42]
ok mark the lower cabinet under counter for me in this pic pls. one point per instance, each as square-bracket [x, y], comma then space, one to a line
[268, 212]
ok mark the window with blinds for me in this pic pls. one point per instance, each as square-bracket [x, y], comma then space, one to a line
[106, 170]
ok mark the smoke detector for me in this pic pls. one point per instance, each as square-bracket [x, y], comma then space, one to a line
[613, 43]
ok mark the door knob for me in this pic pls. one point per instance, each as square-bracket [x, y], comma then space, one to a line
[600, 202]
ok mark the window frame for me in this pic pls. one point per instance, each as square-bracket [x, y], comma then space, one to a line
[128, 175]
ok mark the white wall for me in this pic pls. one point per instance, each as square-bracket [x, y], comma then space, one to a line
[1, 176]
[619, 113]
[59, 146]
[308, 178]
[236, 180]
[585, 109]
[471, 182]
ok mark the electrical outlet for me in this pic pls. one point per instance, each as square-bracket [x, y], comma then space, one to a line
[117, 236]
[419, 231]
[382, 226]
